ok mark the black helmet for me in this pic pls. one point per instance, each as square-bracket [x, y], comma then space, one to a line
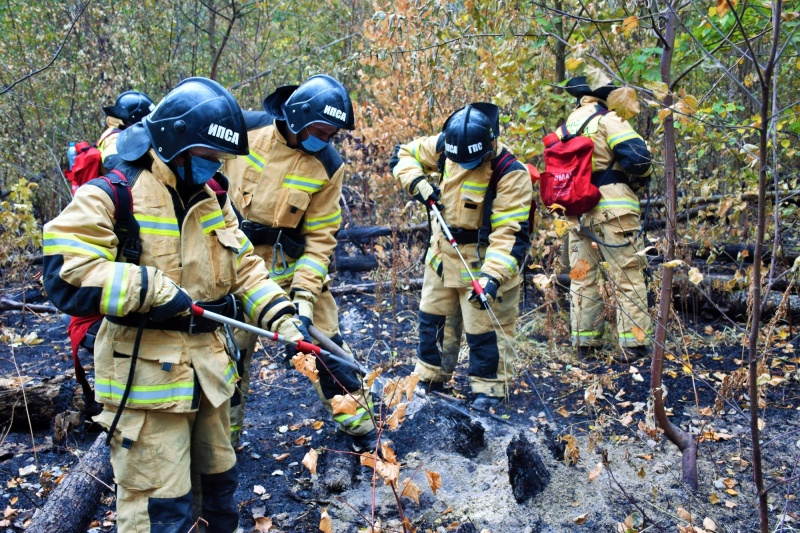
[130, 107]
[579, 87]
[469, 132]
[320, 99]
[197, 112]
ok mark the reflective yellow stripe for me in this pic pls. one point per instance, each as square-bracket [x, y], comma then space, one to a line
[146, 394]
[320, 222]
[475, 187]
[310, 185]
[619, 203]
[150, 225]
[622, 137]
[61, 243]
[507, 260]
[506, 217]
[254, 298]
[212, 221]
[244, 247]
[255, 161]
[115, 291]
[312, 264]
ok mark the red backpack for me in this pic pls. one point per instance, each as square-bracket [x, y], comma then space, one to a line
[88, 165]
[566, 183]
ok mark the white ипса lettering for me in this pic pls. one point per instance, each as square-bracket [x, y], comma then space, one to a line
[221, 132]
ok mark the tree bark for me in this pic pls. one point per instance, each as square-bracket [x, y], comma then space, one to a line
[72, 503]
[45, 399]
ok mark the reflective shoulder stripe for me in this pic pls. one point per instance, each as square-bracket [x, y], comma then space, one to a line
[310, 185]
[151, 225]
[212, 221]
[255, 161]
[475, 187]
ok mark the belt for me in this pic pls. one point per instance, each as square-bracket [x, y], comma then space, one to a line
[187, 324]
[470, 236]
[609, 177]
[292, 242]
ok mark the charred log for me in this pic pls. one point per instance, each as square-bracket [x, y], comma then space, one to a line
[527, 474]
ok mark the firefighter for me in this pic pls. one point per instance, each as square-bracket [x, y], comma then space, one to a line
[608, 234]
[165, 379]
[287, 190]
[492, 236]
[130, 108]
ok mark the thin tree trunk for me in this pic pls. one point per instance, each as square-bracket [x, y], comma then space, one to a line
[684, 441]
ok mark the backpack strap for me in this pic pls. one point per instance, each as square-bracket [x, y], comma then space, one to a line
[118, 187]
[501, 165]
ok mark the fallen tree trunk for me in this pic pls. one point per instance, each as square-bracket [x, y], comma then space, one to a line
[44, 399]
[72, 503]
[13, 305]
[370, 287]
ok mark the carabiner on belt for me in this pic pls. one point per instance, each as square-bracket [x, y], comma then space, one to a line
[278, 249]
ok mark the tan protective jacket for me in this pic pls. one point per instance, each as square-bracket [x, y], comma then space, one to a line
[205, 253]
[614, 139]
[107, 144]
[462, 195]
[282, 187]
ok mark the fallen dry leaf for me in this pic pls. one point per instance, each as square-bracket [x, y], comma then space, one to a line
[371, 377]
[407, 525]
[411, 490]
[281, 457]
[595, 471]
[310, 460]
[258, 489]
[325, 522]
[683, 514]
[263, 524]
[580, 519]
[344, 404]
[709, 524]
[434, 480]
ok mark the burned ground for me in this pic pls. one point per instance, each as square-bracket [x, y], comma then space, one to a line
[619, 468]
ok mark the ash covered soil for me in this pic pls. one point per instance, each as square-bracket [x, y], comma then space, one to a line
[619, 469]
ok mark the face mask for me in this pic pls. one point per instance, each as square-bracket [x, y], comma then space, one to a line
[472, 165]
[313, 144]
[200, 170]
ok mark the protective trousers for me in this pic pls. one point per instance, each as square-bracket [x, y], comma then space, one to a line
[172, 469]
[623, 270]
[490, 357]
[326, 319]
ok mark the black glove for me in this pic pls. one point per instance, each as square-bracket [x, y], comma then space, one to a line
[490, 286]
[423, 191]
[179, 305]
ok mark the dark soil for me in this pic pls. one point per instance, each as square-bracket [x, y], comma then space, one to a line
[641, 473]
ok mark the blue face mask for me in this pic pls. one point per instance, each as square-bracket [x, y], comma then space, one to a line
[472, 165]
[313, 144]
[202, 170]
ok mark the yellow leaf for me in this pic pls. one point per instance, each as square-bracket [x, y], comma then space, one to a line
[580, 270]
[664, 113]
[434, 480]
[411, 490]
[318, 424]
[310, 460]
[722, 7]
[624, 102]
[344, 404]
[325, 522]
[580, 519]
[596, 77]
[561, 226]
[306, 364]
[714, 498]
[573, 63]
[263, 524]
[674, 263]
[563, 412]
[695, 276]
[629, 24]
[397, 417]
[659, 88]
